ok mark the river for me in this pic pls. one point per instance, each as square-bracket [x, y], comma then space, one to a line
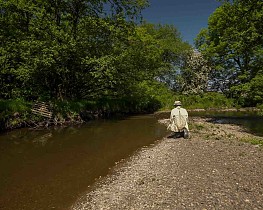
[52, 168]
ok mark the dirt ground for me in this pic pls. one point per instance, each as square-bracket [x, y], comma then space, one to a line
[215, 169]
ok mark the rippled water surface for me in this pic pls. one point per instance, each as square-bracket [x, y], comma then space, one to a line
[50, 169]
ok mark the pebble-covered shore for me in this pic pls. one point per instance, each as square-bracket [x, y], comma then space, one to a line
[211, 170]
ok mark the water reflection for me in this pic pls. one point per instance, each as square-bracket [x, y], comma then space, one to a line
[48, 169]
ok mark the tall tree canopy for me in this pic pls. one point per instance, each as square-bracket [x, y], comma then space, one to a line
[65, 48]
[233, 43]
[173, 52]
[83, 49]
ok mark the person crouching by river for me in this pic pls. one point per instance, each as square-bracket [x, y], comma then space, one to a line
[179, 121]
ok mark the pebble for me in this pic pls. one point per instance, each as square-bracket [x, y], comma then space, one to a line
[183, 174]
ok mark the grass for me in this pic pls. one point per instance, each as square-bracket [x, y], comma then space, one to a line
[14, 105]
[14, 113]
[198, 127]
[253, 141]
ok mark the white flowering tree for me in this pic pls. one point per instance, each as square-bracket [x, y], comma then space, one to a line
[194, 74]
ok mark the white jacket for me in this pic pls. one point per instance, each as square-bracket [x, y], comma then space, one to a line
[178, 119]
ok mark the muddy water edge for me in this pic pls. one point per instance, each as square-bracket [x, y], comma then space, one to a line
[50, 169]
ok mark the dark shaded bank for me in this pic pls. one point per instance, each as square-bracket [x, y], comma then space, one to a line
[18, 113]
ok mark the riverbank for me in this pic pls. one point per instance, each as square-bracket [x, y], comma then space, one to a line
[214, 169]
[19, 113]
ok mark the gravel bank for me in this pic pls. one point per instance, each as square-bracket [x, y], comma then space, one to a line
[212, 170]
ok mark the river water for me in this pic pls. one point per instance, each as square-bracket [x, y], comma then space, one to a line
[51, 169]
[249, 120]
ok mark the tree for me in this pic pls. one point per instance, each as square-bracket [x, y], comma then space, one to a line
[233, 42]
[64, 49]
[194, 74]
[79, 49]
[172, 50]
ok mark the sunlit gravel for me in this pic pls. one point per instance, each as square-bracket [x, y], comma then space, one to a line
[204, 172]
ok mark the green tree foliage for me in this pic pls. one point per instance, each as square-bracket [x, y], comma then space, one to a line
[208, 100]
[71, 50]
[233, 42]
[172, 50]
[66, 49]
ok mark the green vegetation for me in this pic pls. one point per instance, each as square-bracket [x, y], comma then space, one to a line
[196, 127]
[205, 100]
[99, 57]
[254, 141]
[233, 44]
[50, 51]
[15, 105]
[80, 55]
[13, 113]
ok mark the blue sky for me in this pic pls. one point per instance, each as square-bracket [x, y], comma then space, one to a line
[188, 16]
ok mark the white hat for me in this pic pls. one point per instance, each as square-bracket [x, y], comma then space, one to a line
[177, 103]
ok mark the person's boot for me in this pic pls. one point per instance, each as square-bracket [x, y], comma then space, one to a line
[186, 133]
